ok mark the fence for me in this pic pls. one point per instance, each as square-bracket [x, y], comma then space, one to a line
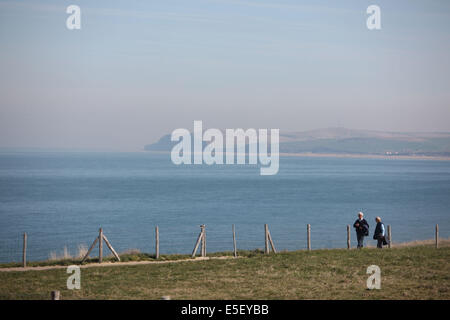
[269, 243]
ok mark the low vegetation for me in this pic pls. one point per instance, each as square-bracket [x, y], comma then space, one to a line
[418, 272]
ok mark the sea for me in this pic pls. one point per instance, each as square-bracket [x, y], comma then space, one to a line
[61, 199]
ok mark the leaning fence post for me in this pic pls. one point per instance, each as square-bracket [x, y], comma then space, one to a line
[266, 239]
[437, 236]
[348, 237]
[389, 236]
[100, 245]
[271, 243]
[157, 242]
[308, 231]
[234, 242]
[199, 239]
[110, 247]
[24, 251]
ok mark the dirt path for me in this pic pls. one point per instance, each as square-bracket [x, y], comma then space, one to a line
[113, 264]
[443, 242]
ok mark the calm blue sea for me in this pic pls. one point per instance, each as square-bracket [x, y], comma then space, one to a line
[61, 199]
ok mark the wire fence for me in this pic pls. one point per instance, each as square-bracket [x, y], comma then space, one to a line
[180, 240]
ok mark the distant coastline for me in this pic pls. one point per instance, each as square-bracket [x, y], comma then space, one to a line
[368, 156]
[282, 154]
[348, 143]
[345, 155]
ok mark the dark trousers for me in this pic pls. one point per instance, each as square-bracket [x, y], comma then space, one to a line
[380, 241]
[360, 238]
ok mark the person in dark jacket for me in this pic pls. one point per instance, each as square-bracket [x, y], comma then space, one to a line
[380, 233]
[362, 229]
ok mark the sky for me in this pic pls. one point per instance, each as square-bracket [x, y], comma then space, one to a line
[137, 70]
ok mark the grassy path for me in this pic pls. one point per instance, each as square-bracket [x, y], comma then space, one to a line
[107, 264]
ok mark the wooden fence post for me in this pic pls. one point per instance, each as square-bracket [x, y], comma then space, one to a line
[389, 236]
[199, 239]
[308, 231]
[271, 243]
[234, 242]
[348, 237]
[204, 240]
[110, 247]
[55, 295]
[24, 250]
[157, 242]
[90, 249]
[100, 238]
[100, 245]
[266, 239]
[437, 236]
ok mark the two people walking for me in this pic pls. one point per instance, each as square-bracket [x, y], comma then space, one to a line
[362, 230]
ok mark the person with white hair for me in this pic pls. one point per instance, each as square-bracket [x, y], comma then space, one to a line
[362, 229]
[380, 233]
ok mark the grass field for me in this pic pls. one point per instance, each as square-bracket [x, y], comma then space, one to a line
[419, 272]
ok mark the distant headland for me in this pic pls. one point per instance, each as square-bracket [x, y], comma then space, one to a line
[342, 142]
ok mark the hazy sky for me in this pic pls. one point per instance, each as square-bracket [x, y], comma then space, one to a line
[140, 69]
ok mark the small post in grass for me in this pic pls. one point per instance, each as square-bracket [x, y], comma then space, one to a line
[389, 231]
[308, 231]
[234, 242]
[348, 237]
[437, 236]
[55, 295]
[157, 242]
[24, 250]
